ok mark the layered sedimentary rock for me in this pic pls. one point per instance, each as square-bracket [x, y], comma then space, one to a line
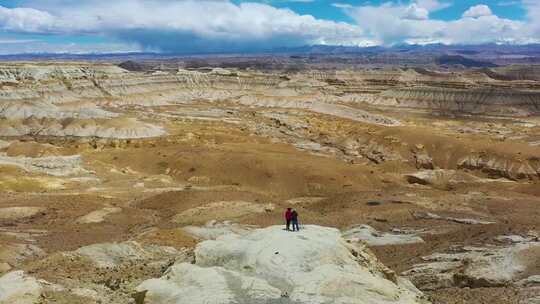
[68, 99]
[468, 92]
[320, 107]
[505, 102]
[516, 72]
[81, 100]
[122, 128]
[242, 146]
[497, 166]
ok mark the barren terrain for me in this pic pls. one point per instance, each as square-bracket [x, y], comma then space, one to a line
[109, 177]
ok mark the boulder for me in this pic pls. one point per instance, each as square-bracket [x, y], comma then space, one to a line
[423, 160]
[433, 177]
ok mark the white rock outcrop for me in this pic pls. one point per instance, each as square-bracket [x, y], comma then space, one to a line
[53, 165]
[319, 107]
[214, 229]
[373, 237]
[16, 253]
[442, 177]
[223, 210]
[270, 265]
[23, 110]
[17, 213]
[113, 254]
[98, 216]
[466, 221]
[4, 144]
[18, 288]
[475, 267]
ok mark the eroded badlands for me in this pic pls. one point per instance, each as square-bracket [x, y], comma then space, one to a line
[413, 185]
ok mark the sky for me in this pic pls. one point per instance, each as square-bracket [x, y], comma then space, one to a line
[202, 26]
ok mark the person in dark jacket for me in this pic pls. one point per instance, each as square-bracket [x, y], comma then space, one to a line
[294, 220]
[288, 218]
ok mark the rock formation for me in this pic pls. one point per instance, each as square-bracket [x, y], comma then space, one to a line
[475, 267]
[122, 186]
[373, 237]
[501, 167]
[54, 165]
[271, 265]
[18, 288]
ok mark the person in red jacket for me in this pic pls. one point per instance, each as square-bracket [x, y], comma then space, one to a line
[288, 218]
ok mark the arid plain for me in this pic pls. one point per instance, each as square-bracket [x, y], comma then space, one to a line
[111, 177]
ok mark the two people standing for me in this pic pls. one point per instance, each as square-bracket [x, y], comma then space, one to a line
[291, 217]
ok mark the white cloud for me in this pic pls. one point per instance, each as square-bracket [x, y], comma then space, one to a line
[509, 3]
[533, 15]
[342, 5]
[16, 41]
[35, 46]
[433, 5]
[415, 12]
[182, 25]
[298, 1]
[25, 20]
[391, 23]
[478, 11]
[220, 25]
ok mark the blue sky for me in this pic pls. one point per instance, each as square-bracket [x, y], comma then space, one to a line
[324, 8]
[186, 26]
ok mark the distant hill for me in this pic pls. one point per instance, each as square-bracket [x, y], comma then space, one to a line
[477, 56]
[463, 61]
[133, 66]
